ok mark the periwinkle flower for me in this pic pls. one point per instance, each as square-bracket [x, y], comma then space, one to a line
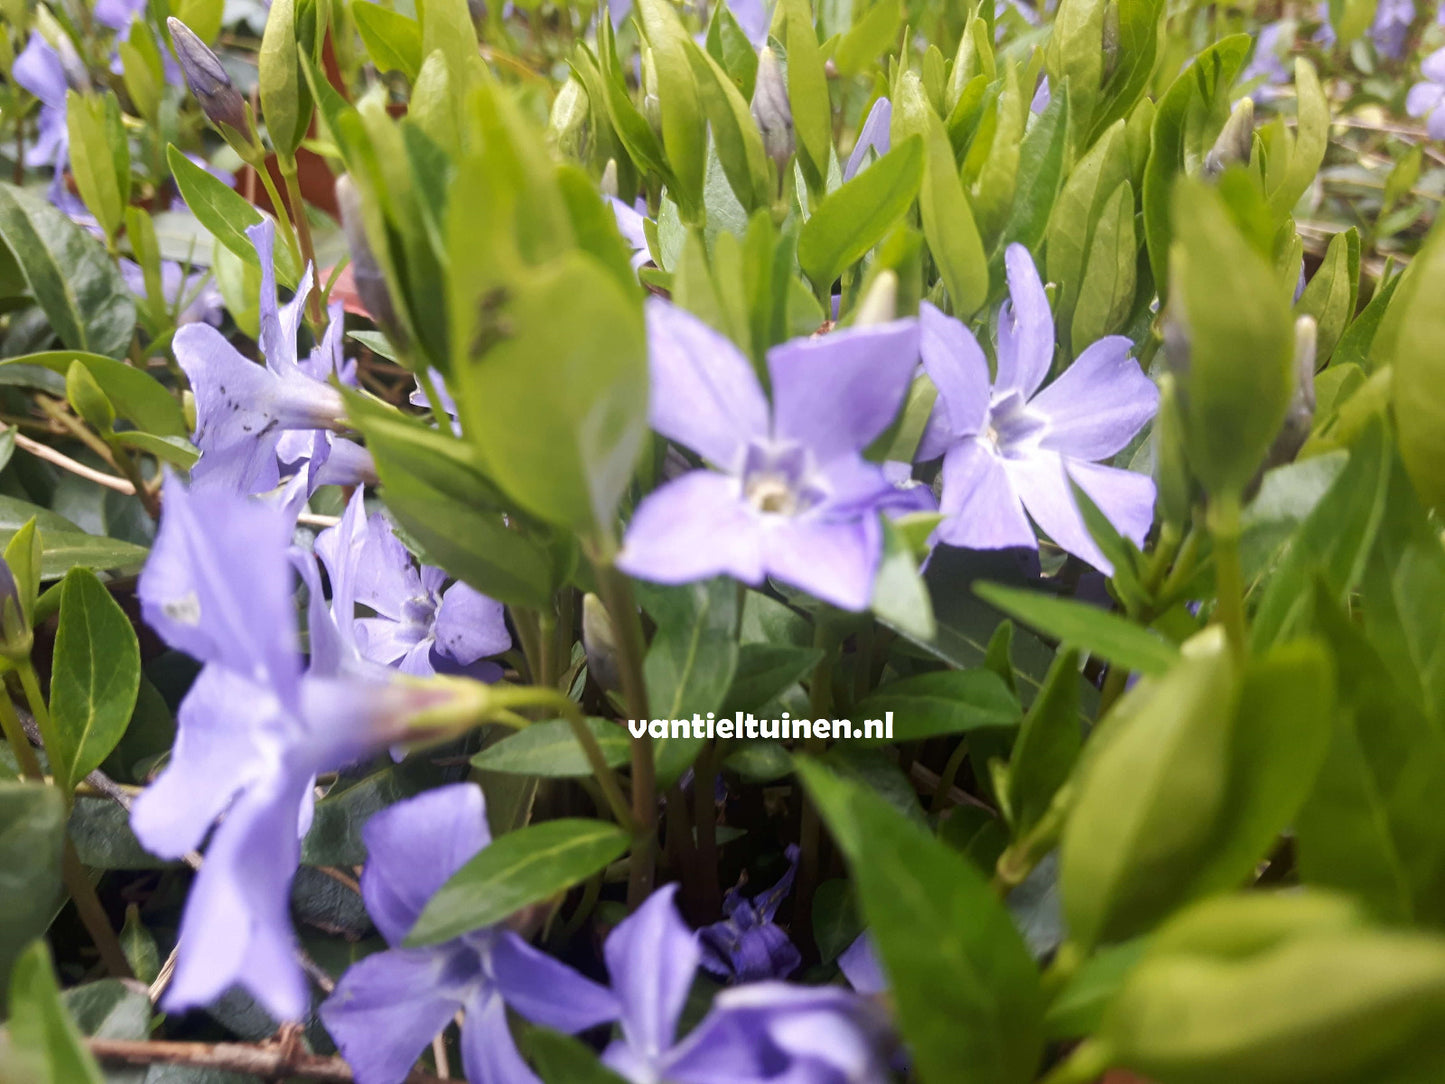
[1010, 449]
[874, 136]
[755, 1033]
[1426, 99]
[117, 14]
[747, 945]
[244, 411]
[193, 294]
[39, 71]
[792, 496]
[860, 966]
[253, 732]
[417, 624]
[389, 1006]
[220, 100]
[1267, 65]
[1391, 27]
[630, 224]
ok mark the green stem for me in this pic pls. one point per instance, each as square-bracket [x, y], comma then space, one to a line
[528, 628]
[1115, 681]
[288, 232]
[704, 819]
[810, 829]
[1020, 857]
[297, 208]
[30, 682]
[1224, 526]
[950, 773]
[546, 649]
[15, 735]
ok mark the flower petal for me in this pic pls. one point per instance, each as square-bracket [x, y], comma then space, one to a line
[413, 847]
[236, 929]
[1423, 97]
[860, 966]
[545, 990]
[694, 527]
[1025, 328]
[704, 391]
[216, 754]
[837, 392]
[1099, 402]
[980, 509]
[278, 325]
[38, 70]
[651, 958]
[386, 1009]
[831, 560]
[1125, 497]
[958, 368]
[470, 626]
[489, 1053]
[874, 136]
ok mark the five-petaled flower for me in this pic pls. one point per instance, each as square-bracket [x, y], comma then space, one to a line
[388, 1007]
[792, 496]
[416, 624]
[747, 945]
[1008, 447]
[1426, 99]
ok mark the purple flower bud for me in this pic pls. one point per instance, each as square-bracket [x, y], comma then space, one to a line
[1235, 142]
[221, 101]
[772, 111]
[370, 279]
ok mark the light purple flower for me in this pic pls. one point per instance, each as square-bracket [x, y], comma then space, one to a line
[117, 14]
[874, 136]
[1267, 65]
[747, 945]
[1391, 27]
[630, 225]
[253, 732]
[417, 625]
[192, 295]
[47, 74]
[1010, 448]
[1426, 99]
[860, 966]
[792, 496]
[245, 413]
[762, 1031]
[388, 1007]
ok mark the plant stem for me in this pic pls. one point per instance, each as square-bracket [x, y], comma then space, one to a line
[1224, 526]
[258, 165]
[810, 829]
[1115, 681]
[1020, 857]
[30, 682]
[546, 649]
[297, 207]
[950, 773]
[270, 1062]
[704, 819]
[15, 735]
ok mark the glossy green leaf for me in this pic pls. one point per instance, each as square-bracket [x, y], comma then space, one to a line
[99, 157]
[1106, 291]
[1312, 136]
[684, 130]
[900, 596]
[1075, 54]
[514, 871]
[32, 832]
[1103, 634]
[807, 92]
[561, 1059]
[45, 1046]
[447, 25]
[943, 702]
[226, 214]
[95, 676]
[285, 98]
[1332, 293]
[1047, 746]
[74, 282]
[739, 144]
[964, 987]
[854, 217]
[1041, 165]
[1413, 339]
[765, 671]
[550, 750]
[392, 40]
[874, 33]
[135, 394]
[65, 550]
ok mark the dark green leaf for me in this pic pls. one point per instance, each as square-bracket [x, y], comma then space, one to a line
[135, 394]
[943, 702]
[550, 750]
[1047, 745]
[1115, 639]
[765, 671]
[32, 832]
[392, 40]
[225, 213]
[45, 1046]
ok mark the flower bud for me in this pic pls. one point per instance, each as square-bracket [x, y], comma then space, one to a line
[1235, 141]
[771, 110]
[880, 303]
[16, 637]
[370, 280]
[570, 121]
[1299, 419]
[221, 101]
[608, 184]
[599, 637]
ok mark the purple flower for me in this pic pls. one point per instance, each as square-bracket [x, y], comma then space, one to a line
[1427, 98]
[417, 625]
[748, 946]
[117, 14]
[388, 1007]
[874, 136]
[762, 1031]
[1267, 65]
[792, 496]
[253, 732]
[244, 411]
[630, 225]
[1391, 27]
[39, 71]
[1010, 448]
[192, 295]
[859, 964]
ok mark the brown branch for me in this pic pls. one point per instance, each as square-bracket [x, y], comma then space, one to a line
[267, 1062]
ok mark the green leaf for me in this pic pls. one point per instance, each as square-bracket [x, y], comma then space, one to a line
[1240, 372]
[875, 32]
[1189, 118]
[1330, 296]
[45, 1046]
[136, 395]
[807, 92]
[392, 40]
[1042, 160]
[1108, 636]
[74, 282]
[900, 596]
[561, 1059]
[550, 750]
[99, 157]
[1047, 745]
[684, 131]
[1413, 338]
[32, 833]
[23, 556]
[1141, 24]
[739, 143]
[447, 25]
[518, 869]
[1106, 291]
[948, 224]
[95, 679]
[1075, 54]
[854, 217]
[943, 702]
[765, 671]
[226, 214]
[177, 451]
[962, 981]
[65, 550]
[285, 101]
[1312, 136]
